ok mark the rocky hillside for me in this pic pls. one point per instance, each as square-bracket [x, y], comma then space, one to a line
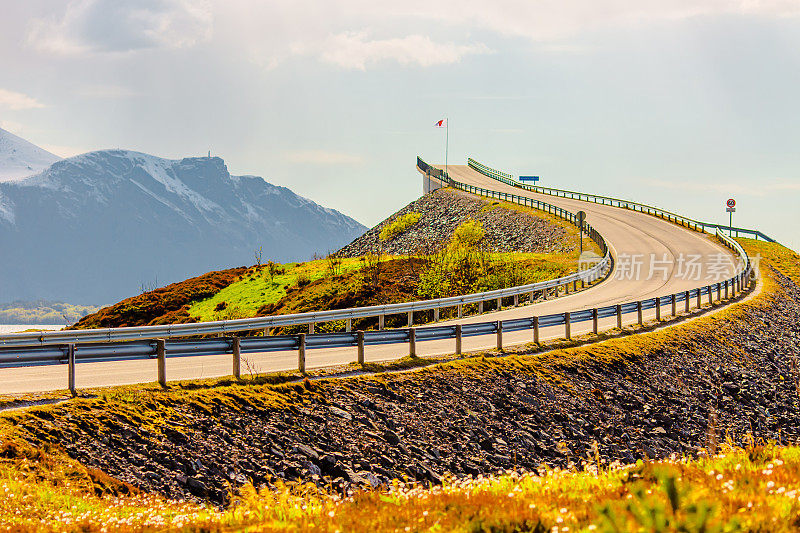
[507, 229]
[677, 390]
[95, 227]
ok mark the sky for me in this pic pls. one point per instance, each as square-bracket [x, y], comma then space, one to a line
[680, 104]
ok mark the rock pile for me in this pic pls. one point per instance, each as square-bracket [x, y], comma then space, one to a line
[506, 230]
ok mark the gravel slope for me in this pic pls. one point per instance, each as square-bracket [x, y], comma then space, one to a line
[506, 230]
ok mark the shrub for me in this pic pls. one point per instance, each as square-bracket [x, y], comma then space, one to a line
[399, 225]
[467, 235]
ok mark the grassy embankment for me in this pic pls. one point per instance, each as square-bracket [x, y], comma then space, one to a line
[754, 489]
[463, 266]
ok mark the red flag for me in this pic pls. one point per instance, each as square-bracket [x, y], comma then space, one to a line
[442, 123]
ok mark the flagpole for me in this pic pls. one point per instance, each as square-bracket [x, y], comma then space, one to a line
[446, 143]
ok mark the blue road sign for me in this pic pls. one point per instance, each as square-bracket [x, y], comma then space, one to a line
[529, 178]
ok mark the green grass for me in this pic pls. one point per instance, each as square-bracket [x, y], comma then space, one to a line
[245, 297]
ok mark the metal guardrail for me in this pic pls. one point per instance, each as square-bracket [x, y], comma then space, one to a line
[160, 349]
[483, 169]
[616, 202]
[170, 331]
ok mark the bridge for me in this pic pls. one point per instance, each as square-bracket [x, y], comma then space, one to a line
[660, 245]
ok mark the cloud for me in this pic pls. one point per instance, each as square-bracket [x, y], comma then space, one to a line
[359, 34]
[547, 20]
[17, 101]
[114, 26]
[322, 157]
[354, 50]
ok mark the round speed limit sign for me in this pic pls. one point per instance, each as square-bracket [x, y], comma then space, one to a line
[731, 202]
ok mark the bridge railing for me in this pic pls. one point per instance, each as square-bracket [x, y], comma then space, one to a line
[617, 202]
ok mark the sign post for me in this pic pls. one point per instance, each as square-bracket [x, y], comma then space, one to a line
[581, 216]
[731, 209]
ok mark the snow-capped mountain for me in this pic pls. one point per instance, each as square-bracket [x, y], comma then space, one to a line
[20, 158]
[94, 228]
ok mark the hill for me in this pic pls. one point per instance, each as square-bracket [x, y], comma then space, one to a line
[346, 279]
[98, 226]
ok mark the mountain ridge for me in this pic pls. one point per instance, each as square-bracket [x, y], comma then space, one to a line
[93, 227]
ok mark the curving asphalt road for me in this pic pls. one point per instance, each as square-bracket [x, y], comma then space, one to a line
[638, 242]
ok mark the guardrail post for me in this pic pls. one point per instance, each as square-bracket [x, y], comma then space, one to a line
[566, 288]
[237, 357]
[619, 316]
[458, 339]
[674, 305]
[567, 329]
[410, 318]
[595, 320]
[310, 328]
[161, 355]
[267, 332]
[381, 321]
[480, 307]
[301, 353]
[412, 342]
[710, 295]
[658, 308]
[639, 312]
[360, 345]
[575, 286]
[436, 314]
[500, 335]
[699, 298]
[459, 310]
[71, 369]
[544, 293]
[687, 303]
[349, 327]
[536, 329]
[719, 292]
[531, 297]
[499, 304]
